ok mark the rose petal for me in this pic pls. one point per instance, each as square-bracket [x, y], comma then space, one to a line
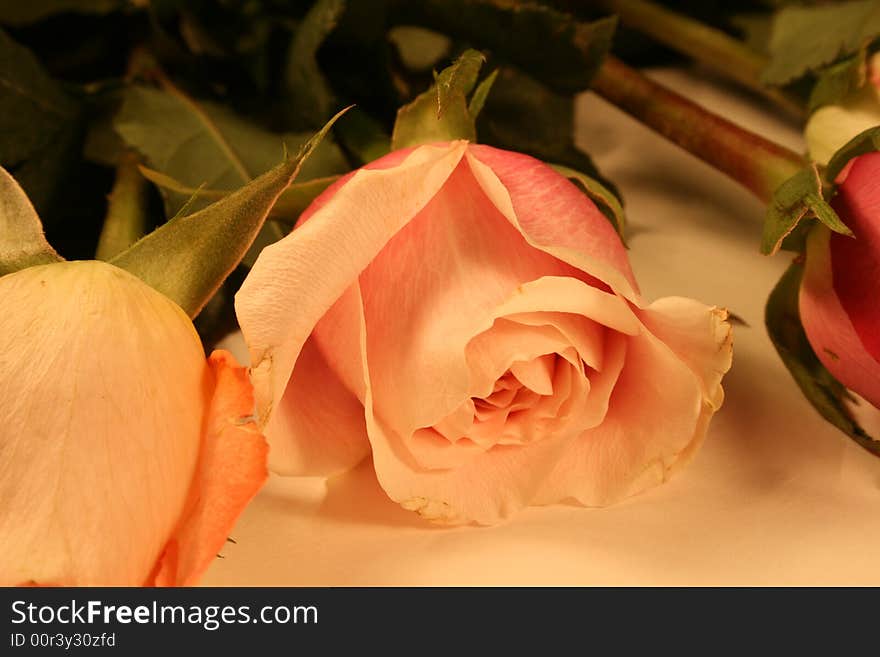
[231, 469]
[461, 258]
[103, 382]
[318, 427]
[553, 215]
[653, 416]
[831, 126]
[296, 280]
[493, 484]
[856, 262]
[828, 327]
[700, 336]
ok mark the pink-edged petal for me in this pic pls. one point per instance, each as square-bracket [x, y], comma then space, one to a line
[103, 383]
[231, 469]
[856, 262]
[554, 215]
[434, 286]
[654, 415]
[828, 326]
[296, 280]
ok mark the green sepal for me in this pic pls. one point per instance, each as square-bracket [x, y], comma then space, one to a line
[441, 113]
[286, 210]
[799, 197]
[864, 142]
[825, 393]
[604, 198]
[481, 93]
[189, 257]
[22, 241]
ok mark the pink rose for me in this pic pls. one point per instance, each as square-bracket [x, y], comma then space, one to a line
[469, 317]
[125, 455]
[839, 304]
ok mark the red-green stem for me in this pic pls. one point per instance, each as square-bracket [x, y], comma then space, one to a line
[753, 161]
[707, 45]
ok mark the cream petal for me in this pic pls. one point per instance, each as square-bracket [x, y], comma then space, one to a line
[656, 414]
[831, 126]
[700, 336]
[435, 286]
[104, 384]
[296, 280]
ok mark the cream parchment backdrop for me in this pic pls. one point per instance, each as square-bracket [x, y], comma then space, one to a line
[774, 497]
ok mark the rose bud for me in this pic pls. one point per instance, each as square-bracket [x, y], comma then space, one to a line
[831, 126]
[126, 456]
[839, 294]
[469, 316]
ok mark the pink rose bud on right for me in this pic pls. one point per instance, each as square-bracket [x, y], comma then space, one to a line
[470, 318]
[840, 294]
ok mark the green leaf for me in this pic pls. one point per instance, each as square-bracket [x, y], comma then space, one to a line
[837, 81]
[441, 113]
[22, 242]
[24, 12]
[561, 51]
[603, 197]
[797, 198]
[286, 210]
[304, 82]
[822, 390]
[189, 257]
[199, 142]
[39, 124]
[864, 142]
[812, 37]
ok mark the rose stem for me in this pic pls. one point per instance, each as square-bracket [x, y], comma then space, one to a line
[756, 163]
[126, 219]
[716, 49]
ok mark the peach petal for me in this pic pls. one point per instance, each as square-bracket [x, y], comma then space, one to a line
[461, 258]
[493, 352]
[318, 427]
[699, 336]
[639, 439]
[536, 374]
[231, 469]
[296, 280]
